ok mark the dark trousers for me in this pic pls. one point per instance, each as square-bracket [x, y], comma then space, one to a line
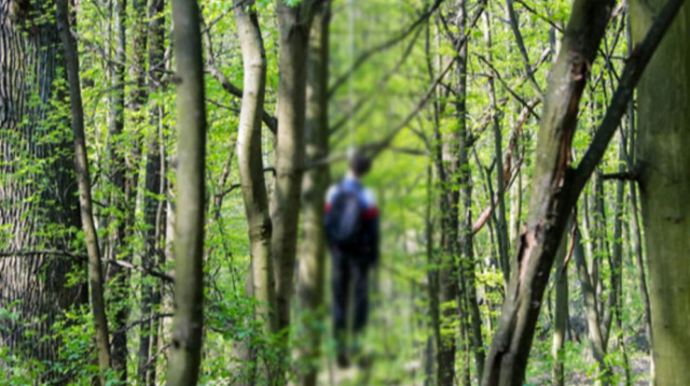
[349, 278]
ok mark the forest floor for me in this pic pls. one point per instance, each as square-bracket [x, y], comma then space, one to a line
[355, 375]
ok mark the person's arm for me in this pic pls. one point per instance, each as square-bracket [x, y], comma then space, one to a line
[327, 208]
[371, 215]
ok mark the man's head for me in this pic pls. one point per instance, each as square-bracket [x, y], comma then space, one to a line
[359, 164]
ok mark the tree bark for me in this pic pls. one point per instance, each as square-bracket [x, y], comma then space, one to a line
[314, 187]
[84, 183]
[250, 160]
[33, 286]
[294, 25]
[185, 351]
[663, 166]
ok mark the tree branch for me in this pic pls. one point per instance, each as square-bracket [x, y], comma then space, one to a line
[521, 46]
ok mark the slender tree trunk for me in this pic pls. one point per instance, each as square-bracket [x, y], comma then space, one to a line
[249, 150]
[185, 352]
[155, 182]
[84, 184]
[500, 213]
[467, 263]
[602, 253]
[117, 277]
[560, 320]
[589, 295]
[617, 262]
[314, 187]
[449, 282]
[433, 286]
[591, 309]
[30, 202]
[663, 164]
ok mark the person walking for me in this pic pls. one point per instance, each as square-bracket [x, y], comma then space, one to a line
[352, 231]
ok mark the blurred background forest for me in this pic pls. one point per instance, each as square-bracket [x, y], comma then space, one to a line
[447, 96]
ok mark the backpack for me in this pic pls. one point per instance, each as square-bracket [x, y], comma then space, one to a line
[344, 220]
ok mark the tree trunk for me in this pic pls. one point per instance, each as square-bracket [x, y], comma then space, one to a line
[154, 185]
[314, 187]
[250, 160]
[617, 262]
[500, 213]
[634, 222]
[84, 184]
[664, 165]
[589, 296]
[551, 200]
[467, 263]
[185, 352]
[30, 203]
[560, 319]
[294, 24]
[118, 277]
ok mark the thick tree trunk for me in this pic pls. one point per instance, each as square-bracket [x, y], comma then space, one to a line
[33, 286]
[314, 187]
[84, 184]
[550, 199]
[664, 165]
[294, 24]
[185, 352]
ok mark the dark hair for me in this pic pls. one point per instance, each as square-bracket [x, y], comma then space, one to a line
[360, 164]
